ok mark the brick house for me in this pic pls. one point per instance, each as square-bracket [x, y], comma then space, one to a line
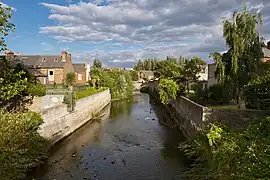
[82, 72]
[48, 69]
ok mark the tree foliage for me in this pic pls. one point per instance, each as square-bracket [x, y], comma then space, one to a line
[70, 78]
[97, 64]
[21, 146]
[223, 154]
[168, 89]
[5, 25]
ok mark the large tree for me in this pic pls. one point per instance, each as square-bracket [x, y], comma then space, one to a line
[244, 43]
[97, 64]
[5, 25]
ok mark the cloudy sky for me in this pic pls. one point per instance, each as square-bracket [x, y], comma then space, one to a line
[119, 32]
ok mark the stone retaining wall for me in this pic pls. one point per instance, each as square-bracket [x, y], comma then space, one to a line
[59, 123]
[190, 116]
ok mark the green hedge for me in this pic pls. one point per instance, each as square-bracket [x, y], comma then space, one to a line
[257, 93]
[36, 89]
[88, 92]
[21, 147]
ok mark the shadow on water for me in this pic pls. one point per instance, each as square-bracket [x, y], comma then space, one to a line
[129, 143]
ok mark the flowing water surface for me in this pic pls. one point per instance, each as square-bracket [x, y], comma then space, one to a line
[128, 144]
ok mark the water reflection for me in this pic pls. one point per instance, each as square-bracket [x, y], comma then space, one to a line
[121, 107]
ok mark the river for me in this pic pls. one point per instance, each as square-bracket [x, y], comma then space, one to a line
[129, 143]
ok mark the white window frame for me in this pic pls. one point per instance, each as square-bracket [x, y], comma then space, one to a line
[79, 77]
[50, 77]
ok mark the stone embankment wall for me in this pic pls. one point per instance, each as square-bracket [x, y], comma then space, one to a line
[59, 123]
[190, 116]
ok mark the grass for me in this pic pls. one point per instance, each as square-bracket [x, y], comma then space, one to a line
[224, 106]
[88, 92]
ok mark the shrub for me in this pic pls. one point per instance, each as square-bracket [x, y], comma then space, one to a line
[36, 89]
[219, 94]
[222, 154]
[257, 93]
[21, 147]
[144, 89]
[70, 100]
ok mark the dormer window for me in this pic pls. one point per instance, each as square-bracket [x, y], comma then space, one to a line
[56, 59]
[44, 59]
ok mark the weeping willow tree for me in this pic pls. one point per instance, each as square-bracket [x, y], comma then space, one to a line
[241, 62]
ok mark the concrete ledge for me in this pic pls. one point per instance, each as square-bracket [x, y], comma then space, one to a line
[59, 123]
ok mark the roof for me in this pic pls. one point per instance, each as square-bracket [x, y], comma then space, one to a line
[40, 61]
[79, 68]
[266, 52]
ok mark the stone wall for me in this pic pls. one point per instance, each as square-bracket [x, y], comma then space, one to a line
[59, 123]
[190, 116]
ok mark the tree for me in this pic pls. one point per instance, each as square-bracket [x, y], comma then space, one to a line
[139, 66]
[154, 64]
[244, 42]
[190, 71]
[147, 64]
[95, 75]
[220, 68]
[5, 25]
[97, 64]
[168, 89]
[70, 78]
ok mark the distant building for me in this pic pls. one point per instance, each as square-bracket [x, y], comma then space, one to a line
[82, 73]
[266, 53]
[147, 75]
[212, 79]
[48, 69]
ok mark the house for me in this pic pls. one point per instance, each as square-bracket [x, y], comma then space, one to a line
[212, 79]
[266, 53]
[82, 73]
[48, 69]
[148, 75]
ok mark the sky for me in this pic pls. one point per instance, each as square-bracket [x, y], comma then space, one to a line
[120, 32]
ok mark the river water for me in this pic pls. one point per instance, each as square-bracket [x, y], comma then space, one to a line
[129, 143]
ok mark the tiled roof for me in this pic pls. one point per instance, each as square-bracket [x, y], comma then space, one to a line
[79, 68]
[40, 61]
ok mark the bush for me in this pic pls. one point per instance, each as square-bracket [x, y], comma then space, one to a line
[70, 78]
[219, 94]
[222, 154]
[144, 89]
[70, 100]
[21, 147]
[257, 93]
[88, 92]
[36, 89]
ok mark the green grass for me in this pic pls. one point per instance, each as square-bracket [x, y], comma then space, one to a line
[224, 106]
[88, 92]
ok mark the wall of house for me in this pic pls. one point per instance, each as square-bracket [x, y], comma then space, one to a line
[211, 75]
[59, 123]
[203, 75]
[68, 67]
[266, 59]
[83, 80]
[58, 75]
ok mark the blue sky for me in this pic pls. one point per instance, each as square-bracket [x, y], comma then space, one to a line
[119, 32]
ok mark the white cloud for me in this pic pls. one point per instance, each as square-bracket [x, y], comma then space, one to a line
[175, 27]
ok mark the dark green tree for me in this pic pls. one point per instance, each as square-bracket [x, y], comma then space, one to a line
[97, 64]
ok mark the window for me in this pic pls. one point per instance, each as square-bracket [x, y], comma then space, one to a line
[51, 73]
[79, 77]
[51, 76]
[56, 59]
[44, 59]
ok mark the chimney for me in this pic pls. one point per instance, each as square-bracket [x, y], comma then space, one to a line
[268, 45]
[64, 56]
